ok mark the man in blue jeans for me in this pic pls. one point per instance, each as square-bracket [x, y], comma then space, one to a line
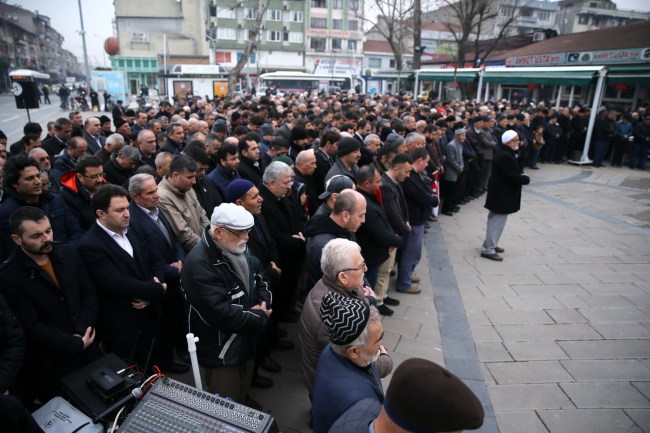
[419, 200]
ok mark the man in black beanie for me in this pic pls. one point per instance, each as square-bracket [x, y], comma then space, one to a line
[422, 397]
[347, 157]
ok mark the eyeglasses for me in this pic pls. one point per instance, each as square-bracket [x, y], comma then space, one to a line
[95, 176]
[238, 233]
[43, 159]
[363, 268]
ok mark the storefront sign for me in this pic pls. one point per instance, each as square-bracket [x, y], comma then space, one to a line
[604, 57]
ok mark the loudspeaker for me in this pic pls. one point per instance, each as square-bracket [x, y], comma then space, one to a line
[26, 93]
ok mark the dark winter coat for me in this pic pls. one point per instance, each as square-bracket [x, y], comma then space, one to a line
[504, 188]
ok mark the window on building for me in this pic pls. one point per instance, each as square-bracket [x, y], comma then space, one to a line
[251, 13]
[352, 45]
[226, 12]
[319, 23]
[595, 21]
[337, 43]
[353, 25]
[593, 4]
[285, 36]
[374, 62]
[354, 4]
[544, 15]
[296, 37]
[223, 57]
[319, 3]
[226, 33]
[318, 44]
[243, 34]
[583, 19]
[297, 16]
[337, 24]
[391, 63]
[274, 15]
[337, 4]
[273, 35]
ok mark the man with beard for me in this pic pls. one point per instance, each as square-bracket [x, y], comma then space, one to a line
[62, 133]
[227, 167]
[22, 184]
[347, 157]
[228, 301]
[179, 203]
[49, 291]
[128, 274]
[79, 186]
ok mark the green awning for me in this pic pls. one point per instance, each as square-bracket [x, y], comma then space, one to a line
[628, 74]
[465, 75]
[542, 76]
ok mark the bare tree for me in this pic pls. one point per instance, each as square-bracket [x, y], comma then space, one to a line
[467, 21]
[393, 18]
[253, 34]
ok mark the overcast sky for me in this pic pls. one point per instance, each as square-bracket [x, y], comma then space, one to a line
[98, 16]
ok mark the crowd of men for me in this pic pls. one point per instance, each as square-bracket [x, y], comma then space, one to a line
[227, 219]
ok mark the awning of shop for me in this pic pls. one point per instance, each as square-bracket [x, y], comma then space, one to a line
[568, 76]
[639, 74]
[461, 75]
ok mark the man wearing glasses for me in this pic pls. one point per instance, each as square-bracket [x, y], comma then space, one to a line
[228, 299]
[79, 186]
[504, 193]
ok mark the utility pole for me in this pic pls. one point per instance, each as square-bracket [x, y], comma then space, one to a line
[83, 39]
[417, 34]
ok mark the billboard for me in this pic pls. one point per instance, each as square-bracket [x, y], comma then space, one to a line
[112, 81]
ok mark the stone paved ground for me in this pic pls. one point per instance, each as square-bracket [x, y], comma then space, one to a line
[556, 338]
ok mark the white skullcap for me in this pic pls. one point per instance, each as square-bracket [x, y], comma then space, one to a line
[232, 216]
[508, 135]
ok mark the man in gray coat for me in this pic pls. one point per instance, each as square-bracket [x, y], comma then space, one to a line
[453, 168]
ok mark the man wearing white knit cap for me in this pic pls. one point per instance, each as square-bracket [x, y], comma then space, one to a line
[504, 193]
[228, 299]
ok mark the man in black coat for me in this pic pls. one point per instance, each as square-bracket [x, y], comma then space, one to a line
[128, 274]
[376, 236]
[49, 291]
[504, 193]
[250, 165]
[147, 218]
[62, 132]
[283, 225]
[78, 187]
[92, 135]
[121, 166]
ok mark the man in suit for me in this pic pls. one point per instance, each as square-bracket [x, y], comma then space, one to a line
[325, 154]
[147, 217]
[250, 164]
[128, 274]
[62, 132]
[49, 291]
[93, 136]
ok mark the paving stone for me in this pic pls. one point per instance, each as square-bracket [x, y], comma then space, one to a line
[598, 395]
[641, 417]
[528, 397]
[390, 340]
[566, 315]
[588, 421]
[572, 301]
[612, 288]
[482, 334]
[430, 332]
[547, 332]
[486, 303]
[606, 349]
[617, 331]
[517, 317]
[400, 326]
[548, 289]
[606, 370]
[614, 315]
[643, 387]
[639, 300]
[532, 302]
[508, 373]
[418, 314]
[419, 348]
[520, 421]
[492, 352]
[477, 318]
[607, 301]
[619, 277]
[535, 350]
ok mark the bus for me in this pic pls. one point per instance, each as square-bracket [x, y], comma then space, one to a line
[300, 82]
[200, 80]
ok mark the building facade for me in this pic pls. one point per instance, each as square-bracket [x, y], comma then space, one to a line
[27, 40]
[576, 16]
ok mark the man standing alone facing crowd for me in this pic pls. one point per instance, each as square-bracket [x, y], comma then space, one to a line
[504, 193]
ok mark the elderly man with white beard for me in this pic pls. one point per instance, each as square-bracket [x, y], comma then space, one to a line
[228, 299]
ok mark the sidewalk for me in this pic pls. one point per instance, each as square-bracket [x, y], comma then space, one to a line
[556, 338]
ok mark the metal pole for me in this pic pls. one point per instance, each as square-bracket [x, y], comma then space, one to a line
[571, 96]
[592, 118]
[480, 86]
[83, 39]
